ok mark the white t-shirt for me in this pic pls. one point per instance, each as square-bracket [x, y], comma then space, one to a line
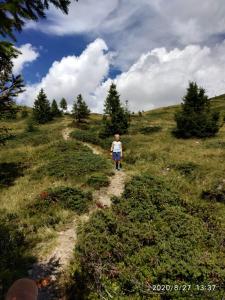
[117, 146]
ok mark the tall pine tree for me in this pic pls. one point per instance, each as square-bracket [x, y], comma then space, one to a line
[13, 17]
[80, 109]
[116, 118]
[55, 110]
[42, 109]
[195, 118]
[63, 104]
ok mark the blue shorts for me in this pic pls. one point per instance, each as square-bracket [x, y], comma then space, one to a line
[116, 156]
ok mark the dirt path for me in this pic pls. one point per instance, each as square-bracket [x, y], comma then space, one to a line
[47, 272]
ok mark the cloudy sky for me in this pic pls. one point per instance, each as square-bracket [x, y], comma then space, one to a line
[149, 48]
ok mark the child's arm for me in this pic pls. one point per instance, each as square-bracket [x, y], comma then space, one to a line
[112, 147]
[121, 150]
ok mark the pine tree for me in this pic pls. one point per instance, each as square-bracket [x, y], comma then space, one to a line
[24, 112]
[55, 110]
[63, 104]
[13, 14]
[42, 109]
[13, 17]
[10, 85]
[80, 109]
[116, 118]
[195, 118]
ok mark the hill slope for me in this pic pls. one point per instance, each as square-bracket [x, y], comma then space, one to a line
[161, 231]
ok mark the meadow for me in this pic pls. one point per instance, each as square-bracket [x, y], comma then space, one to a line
[167, 228]
[44, 182]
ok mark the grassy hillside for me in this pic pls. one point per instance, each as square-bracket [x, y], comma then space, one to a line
[44, 182]
[167, 228]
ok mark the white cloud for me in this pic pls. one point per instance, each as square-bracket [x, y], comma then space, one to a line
[135, 27]
[160, 77]
[73, 75]
[28, 54]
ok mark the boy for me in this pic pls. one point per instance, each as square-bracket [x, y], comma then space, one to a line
[117, 151]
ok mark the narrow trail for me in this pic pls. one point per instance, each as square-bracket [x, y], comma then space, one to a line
[49, 270]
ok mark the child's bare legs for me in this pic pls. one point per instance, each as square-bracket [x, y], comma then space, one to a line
[117, 164]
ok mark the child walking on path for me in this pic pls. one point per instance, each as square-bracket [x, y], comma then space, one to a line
[117, 151]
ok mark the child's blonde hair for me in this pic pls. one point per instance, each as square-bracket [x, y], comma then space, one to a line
[117, 135]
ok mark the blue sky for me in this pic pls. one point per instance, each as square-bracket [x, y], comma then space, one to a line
[51, 48]
[149, 48]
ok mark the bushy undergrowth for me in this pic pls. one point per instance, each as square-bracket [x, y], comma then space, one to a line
[187, 168]
[150, 237]
[13, 260]
[216, 193]
[9, 172]
[70, 160]
[216, 144]
[32, 138]
[150, 129]
[91, 136]
[97, 181]
[60, 197]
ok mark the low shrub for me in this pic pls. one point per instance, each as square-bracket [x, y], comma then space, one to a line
[150, 129]
[148, 238]
[30, 126]
[216, 144]
[13, 260]
[70, 160]
[65, 197]
[186, 168]
[216, 193]
[9, 172]
[81, 125]
[98, 181]
[46, 209]
[32, 138]
[131, 157]
[92, 137]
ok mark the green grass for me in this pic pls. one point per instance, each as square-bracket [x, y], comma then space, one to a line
[33, 164]
[151, 236]
[167, 227]
[97, 181]
[69, 160]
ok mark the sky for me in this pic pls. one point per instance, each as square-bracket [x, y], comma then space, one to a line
[151, 49]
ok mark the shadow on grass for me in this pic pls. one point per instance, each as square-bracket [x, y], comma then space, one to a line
[14, 260]
[45, 274]
[9, 172]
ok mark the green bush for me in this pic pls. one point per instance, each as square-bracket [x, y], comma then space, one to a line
[65, 197]
[9, 172]
[86, 136]
[70, 160]
[92, 137]
[24, 113]
[30, 126]
[149, 237]
[216, 193]
[13, 261]
[131, 157]
[186, 168]
[216, 144]
[150, 129]
[81, 125]
[98, 181]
